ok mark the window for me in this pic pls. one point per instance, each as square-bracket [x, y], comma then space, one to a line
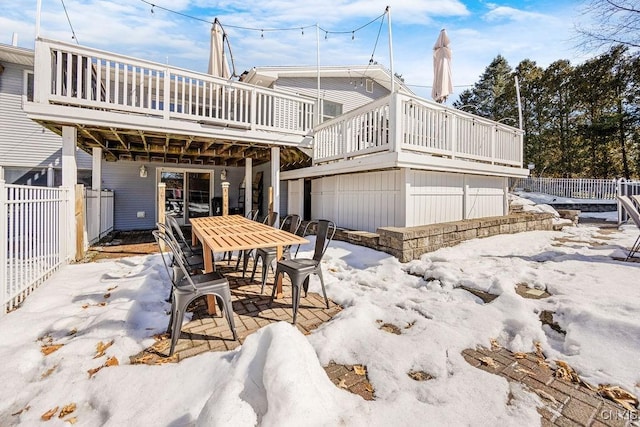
[330, 110]
[369, 86]
[28, 86]
[84, 177]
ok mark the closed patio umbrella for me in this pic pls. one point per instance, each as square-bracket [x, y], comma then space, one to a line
[442, 83]
[218, 65]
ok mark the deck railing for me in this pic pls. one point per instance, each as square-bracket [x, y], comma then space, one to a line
[90, 78]
[573, 188]
[33, 234]
[404, 123]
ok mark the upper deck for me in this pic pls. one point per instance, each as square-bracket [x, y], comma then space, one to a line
[141, 110]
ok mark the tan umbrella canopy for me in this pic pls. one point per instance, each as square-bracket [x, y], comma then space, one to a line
[218, 64]
[442, 83]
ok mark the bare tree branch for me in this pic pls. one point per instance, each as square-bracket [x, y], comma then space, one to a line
[609, 22]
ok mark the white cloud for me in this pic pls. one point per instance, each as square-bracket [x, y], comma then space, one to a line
[477, 35]
[506, 13]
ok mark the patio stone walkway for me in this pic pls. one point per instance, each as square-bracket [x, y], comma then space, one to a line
[565, 403]
[205, 332]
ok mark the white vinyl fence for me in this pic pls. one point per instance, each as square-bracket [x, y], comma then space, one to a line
[573, 188]
[98, 226]
[33, 234]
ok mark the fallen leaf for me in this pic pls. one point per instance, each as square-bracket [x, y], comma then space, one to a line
[489, 362]
[341, 384]
[112, 288]
[107, 295]
[72, 420]
[73, 331]
[543, 363]
[101, 304]
[161, 337]
[48, 349]
[539, 352]
[26, 408]
[50, 413]
[144, 359]
[368, 387]
[85, 306]
[94, 371]
[112, 361]
[566, 372]
[546, 395]
[359, 370]
[101, 348]
[46, 338]
[66, 410]
[163, 360]
[524, 371]
[619, 395]
[495, 345]
[48, 372]
[419, 375]
[410, 324]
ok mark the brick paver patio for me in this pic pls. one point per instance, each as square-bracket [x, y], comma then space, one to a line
[205, 332]
[565, 403]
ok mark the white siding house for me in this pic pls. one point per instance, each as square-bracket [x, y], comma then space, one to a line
[377, 158]
[394, 159]
[29, 153]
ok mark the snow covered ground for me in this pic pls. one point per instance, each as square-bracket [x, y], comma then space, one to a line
[275, 377]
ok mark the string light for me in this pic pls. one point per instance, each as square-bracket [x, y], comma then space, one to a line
[263, 30]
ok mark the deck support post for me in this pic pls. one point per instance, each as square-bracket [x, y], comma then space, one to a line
[69, 180]
[275, 180]
[248, 185]
[225, 198]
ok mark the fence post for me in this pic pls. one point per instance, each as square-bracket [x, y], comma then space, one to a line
[4, 282]
[619, 193]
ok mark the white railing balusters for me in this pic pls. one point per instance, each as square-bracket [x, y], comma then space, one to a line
[128, 86]
[30, 239]
[403, 123]
[574, 188]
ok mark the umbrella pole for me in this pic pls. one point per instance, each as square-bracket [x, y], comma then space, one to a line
[519, 103]
[393, 77]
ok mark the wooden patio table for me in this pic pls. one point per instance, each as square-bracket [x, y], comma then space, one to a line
[237, 233]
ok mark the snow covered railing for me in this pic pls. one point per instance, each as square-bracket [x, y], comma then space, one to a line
[410, 124]
[78, 76]
[33, 235]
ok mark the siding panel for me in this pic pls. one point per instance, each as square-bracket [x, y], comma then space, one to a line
[363, 201]
[23, 142]
[333, 89]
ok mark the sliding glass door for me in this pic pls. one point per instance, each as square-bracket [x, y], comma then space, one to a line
[187, 194]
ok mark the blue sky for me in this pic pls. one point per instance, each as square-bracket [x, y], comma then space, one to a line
[540, 30]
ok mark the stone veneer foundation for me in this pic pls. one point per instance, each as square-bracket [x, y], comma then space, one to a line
[408, 243]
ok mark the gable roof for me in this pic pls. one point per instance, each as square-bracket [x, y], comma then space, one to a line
[265, 76]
